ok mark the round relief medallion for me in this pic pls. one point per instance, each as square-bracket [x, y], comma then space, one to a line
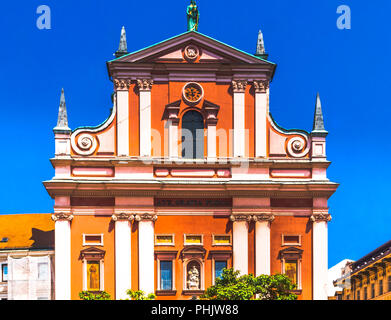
[191, 53]
[193, 92]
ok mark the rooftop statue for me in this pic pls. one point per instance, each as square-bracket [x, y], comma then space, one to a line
[193, 16]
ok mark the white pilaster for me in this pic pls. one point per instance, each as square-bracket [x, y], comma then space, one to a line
[262, 243]
[240, 242]
[211, 142]
[146, 252]
[122, 87]
[172, 139]
[145, 86]
[123, 258]
[261, 100]
[239, 146]
[320, 255]
[62, 239]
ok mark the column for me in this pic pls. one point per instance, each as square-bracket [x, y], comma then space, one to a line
[122, 91]
[146, 252]
[261, 101]
[123, 258]
[320, 255]
[262, 243]
[145, 86]
[211, 111]
[240, 242]
[62, 239]
[239, 89]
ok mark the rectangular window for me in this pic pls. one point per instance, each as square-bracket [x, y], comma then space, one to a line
[291, 270]
[191, 239]
[380, 287]
[93, 276]
[358, 295]
[166, 275]
[373, 290]
[291, 240]
[4, 272]
[389, 283]
[365, 293]
[164, 240]
[221, 240]
[43, 271]
[348, 297]
[92, 239]
[219, 266]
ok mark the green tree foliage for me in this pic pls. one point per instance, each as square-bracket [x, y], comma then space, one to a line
[102, 295]
[231, 286]
[140, 295]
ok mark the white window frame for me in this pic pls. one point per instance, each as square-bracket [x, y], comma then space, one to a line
[159, 275]
[172, 244]
[298, 284]
[214, 268]
[86, 244]
[287, 244]
[193, 243]
[221, 244]
[2, 276]
[101, 274]
[47, 271]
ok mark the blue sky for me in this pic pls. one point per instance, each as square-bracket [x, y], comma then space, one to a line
[348, 67]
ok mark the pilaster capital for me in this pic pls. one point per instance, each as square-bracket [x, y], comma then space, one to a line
[62, 217]
[146, 217]
[320, 217]
[144, 84]
[260, 86]
[121, 84]
[240, 218]
[211, 111]
[122, 217]
[239, 85]
[263, 217]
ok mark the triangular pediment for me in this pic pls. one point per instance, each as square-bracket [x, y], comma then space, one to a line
[208, 50]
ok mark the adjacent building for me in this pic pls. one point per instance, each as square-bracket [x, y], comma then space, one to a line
[190, 174]
[369, 278]
[26, 257]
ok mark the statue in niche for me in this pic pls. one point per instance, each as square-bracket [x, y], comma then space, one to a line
[193, 278]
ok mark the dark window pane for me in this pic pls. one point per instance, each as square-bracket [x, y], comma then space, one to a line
[193, 135]
[166, 275]
[219, 266]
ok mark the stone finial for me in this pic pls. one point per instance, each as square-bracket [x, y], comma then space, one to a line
[318, 128]
[62, 121]
[261, 52]
[123, 46]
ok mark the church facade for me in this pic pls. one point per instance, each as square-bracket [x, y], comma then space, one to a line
[190, 174]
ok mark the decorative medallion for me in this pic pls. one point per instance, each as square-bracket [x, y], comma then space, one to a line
[193, 92]
[191, 53]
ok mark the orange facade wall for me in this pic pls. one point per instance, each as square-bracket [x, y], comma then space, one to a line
[297, 226]
[180, 225]
[165, 93]
[92, 225]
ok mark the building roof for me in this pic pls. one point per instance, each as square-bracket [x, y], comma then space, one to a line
[377, 255]
[26, 231]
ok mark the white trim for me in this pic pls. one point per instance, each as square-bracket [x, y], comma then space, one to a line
[193, 243]
[202, 270]
[159, 275]
[172, 243]
[298, 284]
[101, 274]
[92, 243]
[221, 244]
[285, 244]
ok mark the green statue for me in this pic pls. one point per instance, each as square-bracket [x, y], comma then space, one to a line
[193, 16]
